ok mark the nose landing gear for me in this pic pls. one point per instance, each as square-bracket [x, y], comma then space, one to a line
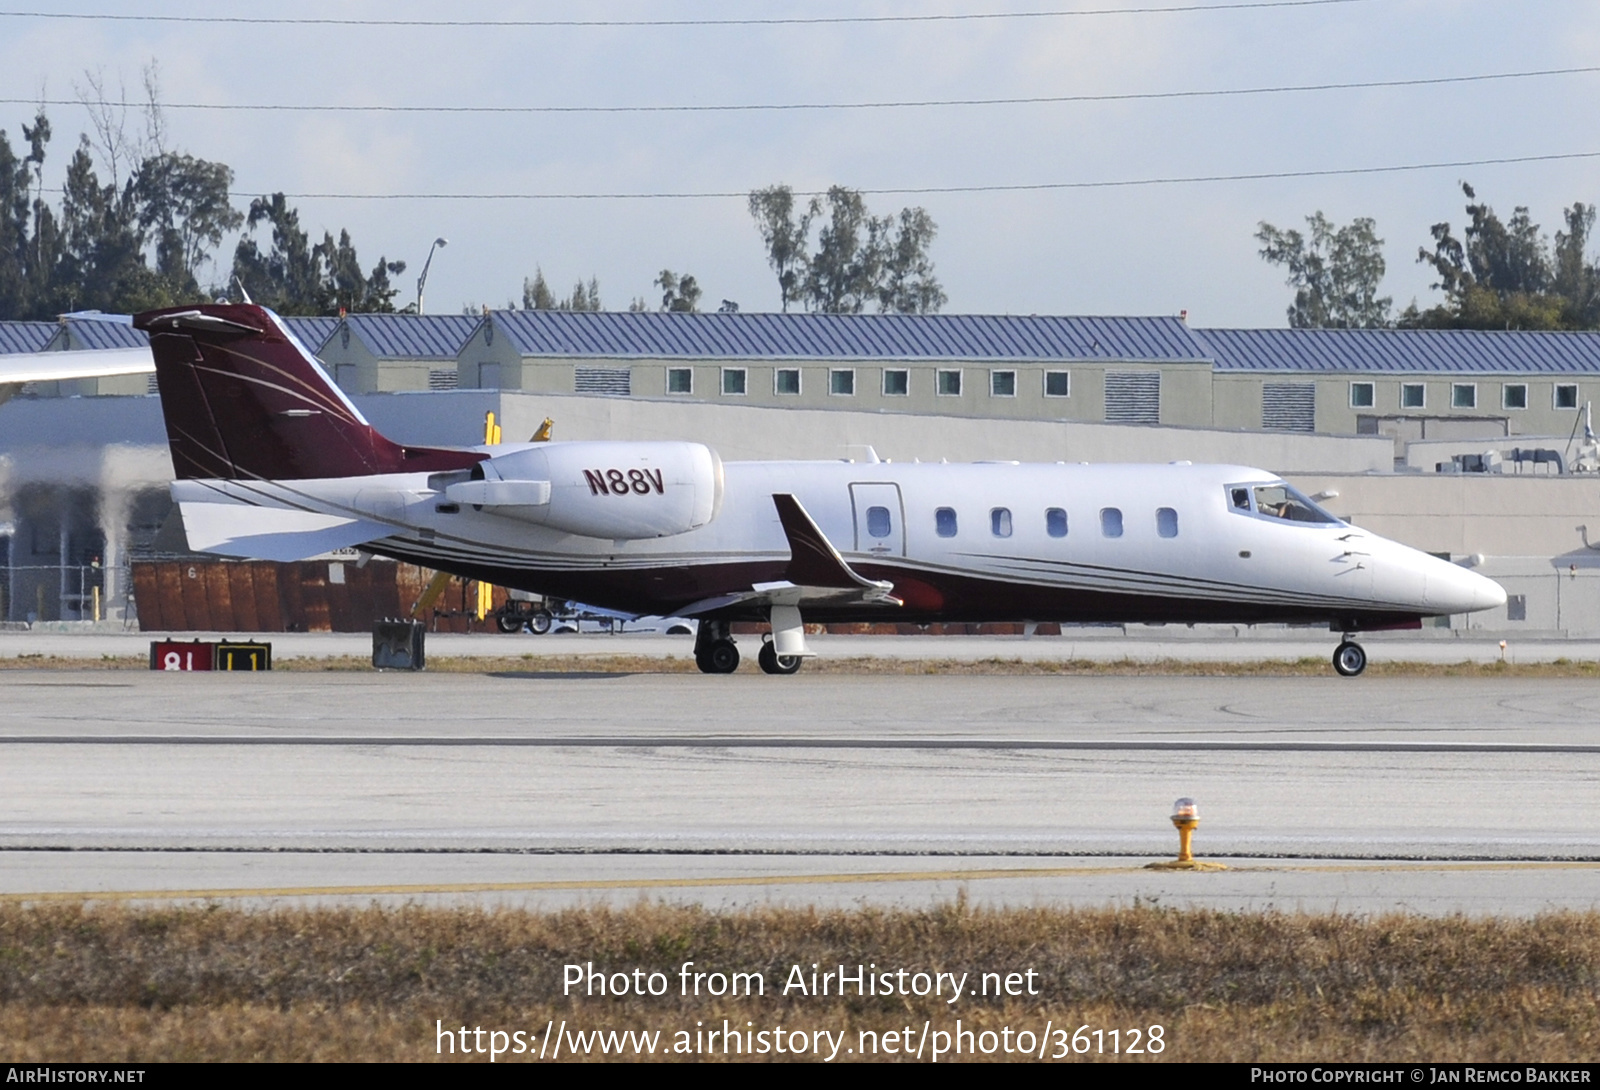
[1349, 658]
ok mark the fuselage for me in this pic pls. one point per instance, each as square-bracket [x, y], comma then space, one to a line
[968, 542]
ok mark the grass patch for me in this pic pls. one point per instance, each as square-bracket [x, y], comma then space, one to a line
[863, 665]
[207, 983]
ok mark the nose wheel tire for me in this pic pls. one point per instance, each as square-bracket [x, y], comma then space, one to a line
[1349, 659]
[722, 657]
[773, 663]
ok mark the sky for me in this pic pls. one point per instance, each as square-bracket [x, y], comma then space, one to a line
[1126, 249]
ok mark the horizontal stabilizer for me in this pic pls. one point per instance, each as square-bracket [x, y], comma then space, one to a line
[59, 366]
[271, 533]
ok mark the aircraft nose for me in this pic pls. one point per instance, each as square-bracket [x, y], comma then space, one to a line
[1462, 591]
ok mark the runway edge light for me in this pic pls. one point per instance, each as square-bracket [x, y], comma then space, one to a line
[1186, 816]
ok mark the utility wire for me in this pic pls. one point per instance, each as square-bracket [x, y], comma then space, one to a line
[817, 20]
[1024, 187]
[1130, 96]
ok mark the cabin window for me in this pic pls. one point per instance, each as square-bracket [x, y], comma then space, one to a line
[1058, 384]
[896, 383]
[1000, 521]
[1464, 395]
[680, 380]
[944, 522]
[1055, 522]
[949, 383]
[878, 522]
[1413, 395]
[1166, 522]
[1514, 395]
[733, 381]
[1566, 395]
[1002, 384]
[842, 382]
[1111, 522]
[1361, 395]
[786, 380]
[1279, 501]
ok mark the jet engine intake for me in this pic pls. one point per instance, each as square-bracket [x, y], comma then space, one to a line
[617, 490]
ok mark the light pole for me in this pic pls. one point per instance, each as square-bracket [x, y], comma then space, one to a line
[423, 279]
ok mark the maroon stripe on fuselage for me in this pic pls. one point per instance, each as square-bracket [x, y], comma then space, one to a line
[929, 597]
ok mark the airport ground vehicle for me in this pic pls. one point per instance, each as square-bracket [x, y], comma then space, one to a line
[273, 461]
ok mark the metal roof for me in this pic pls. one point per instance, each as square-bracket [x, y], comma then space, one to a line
[313, 332]
[1403, 351]
[81, 333]
[25, 336]
[413, 336]
[847, 336]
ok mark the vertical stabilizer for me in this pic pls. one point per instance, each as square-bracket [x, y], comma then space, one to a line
[244, 400]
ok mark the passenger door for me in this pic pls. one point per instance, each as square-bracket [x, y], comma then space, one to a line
[879, 519]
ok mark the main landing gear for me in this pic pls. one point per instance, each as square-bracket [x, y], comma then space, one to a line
[715, 653]
[714, 649]
[1349, 658]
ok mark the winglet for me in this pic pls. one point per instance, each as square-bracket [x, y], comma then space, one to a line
[813, 561]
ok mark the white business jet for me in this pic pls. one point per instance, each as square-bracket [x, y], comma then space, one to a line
[274, 462]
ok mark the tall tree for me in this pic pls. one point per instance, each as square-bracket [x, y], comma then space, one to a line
[1335, 273]
[184, 202]
[296, 277]
[1505, 275]
[859, 259]
[786, 238]
[536, 294]
[679, 294]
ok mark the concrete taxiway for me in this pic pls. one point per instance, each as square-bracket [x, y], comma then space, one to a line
[534, 787]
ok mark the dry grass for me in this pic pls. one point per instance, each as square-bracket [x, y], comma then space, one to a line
[863, 665]
[111, 983]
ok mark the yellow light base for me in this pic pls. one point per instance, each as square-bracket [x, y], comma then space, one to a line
[1185, 864]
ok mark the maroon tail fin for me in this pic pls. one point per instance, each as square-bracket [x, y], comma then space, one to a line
[243, 399]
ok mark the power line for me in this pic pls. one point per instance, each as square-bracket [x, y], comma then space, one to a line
[1130, 96]
[1023, 187]
[818, 20]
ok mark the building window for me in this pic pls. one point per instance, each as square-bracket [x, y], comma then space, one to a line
[1166, 522]
[944, 522]
[842, 382]
[1055, 522]
[1002, 384]
[733, 381]
[786, 380]
[1110, 522]
[949, 384]
[1000, 522]
[1412, 395]
[896, 383]
[1516, 607]
[680, 380]
[1361, 395]
[1464, 395]
[1058, 384]
[1567, 396]
[1514, 395]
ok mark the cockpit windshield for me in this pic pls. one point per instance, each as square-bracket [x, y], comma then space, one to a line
[1277, 501]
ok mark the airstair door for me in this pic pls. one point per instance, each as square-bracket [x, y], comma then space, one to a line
[879, 518]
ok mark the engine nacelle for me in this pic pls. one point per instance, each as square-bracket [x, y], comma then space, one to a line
[611, 490]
